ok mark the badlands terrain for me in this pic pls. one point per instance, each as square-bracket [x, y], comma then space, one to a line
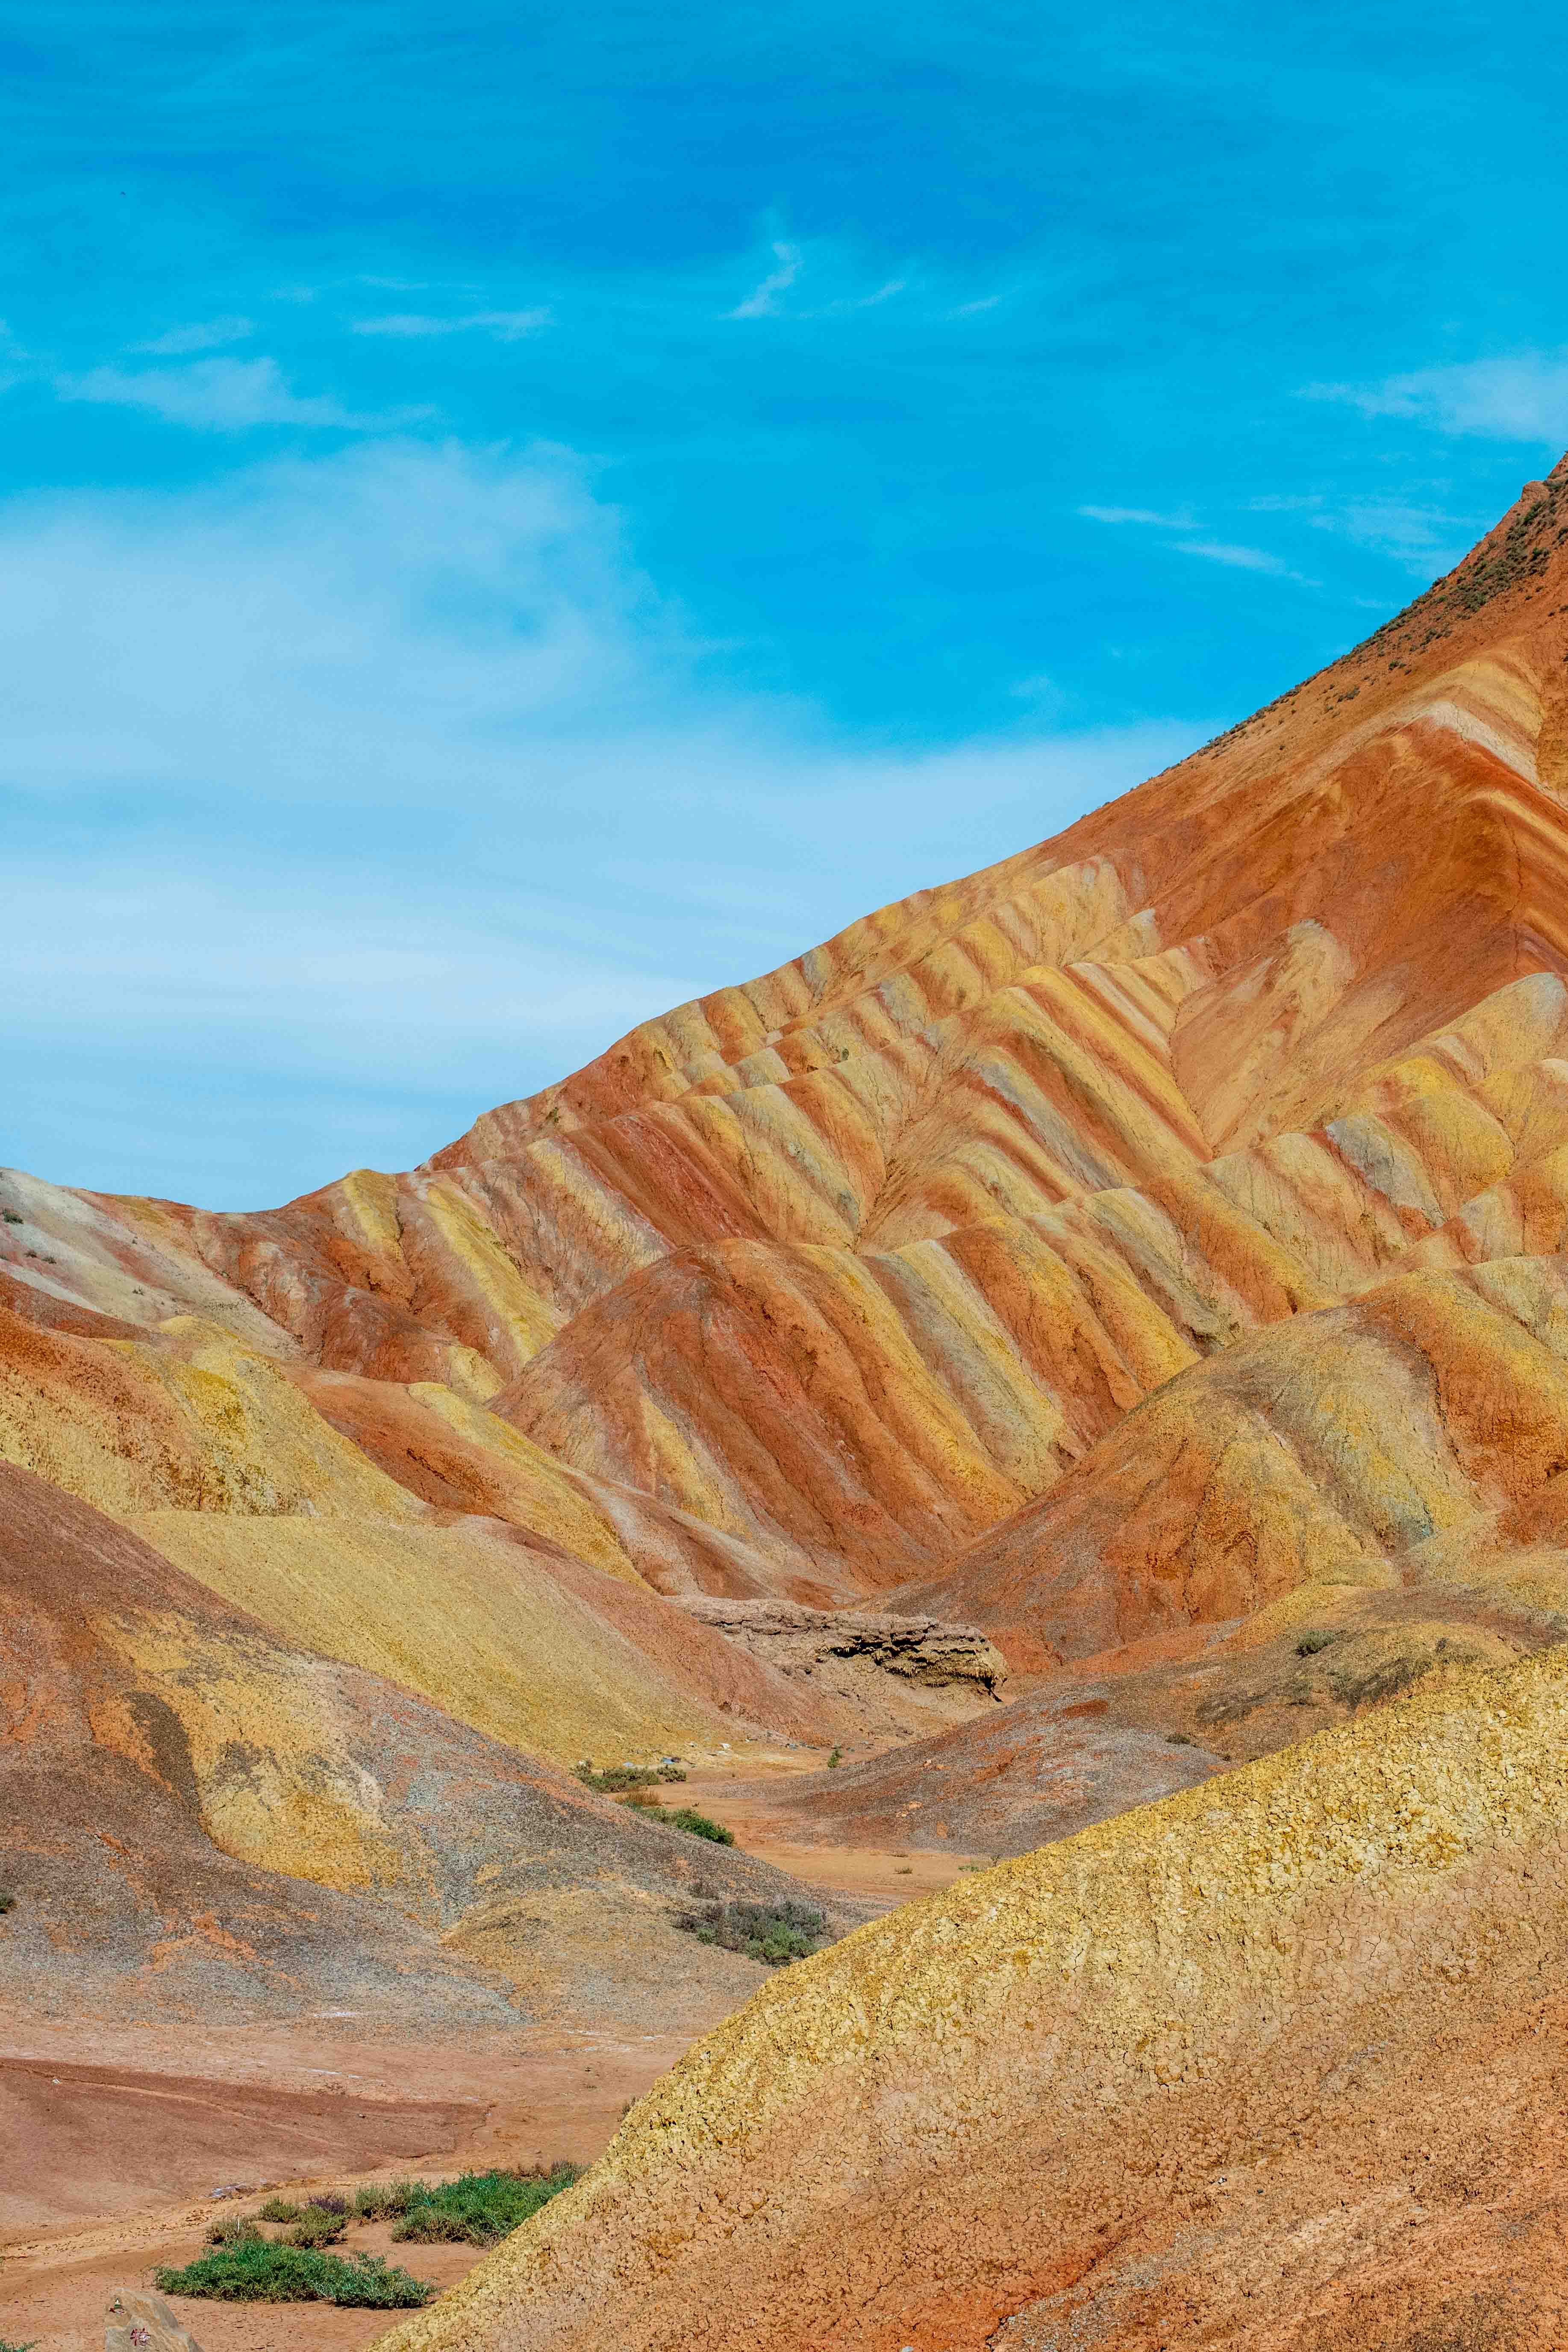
[1089, 1346]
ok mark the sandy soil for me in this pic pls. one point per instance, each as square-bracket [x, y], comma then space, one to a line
[118, 2136]
[143, 2137]
[882, 1874]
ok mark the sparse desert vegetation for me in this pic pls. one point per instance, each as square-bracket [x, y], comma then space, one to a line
[775, 1934]
[252, 2268]
[688, 1818]
[614, 1779]
[479, 2207]
[246, 2266]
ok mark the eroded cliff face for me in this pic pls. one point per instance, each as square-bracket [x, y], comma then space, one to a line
[905, 1674]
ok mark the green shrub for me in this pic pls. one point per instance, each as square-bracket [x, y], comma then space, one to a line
[835, 1760]
[772, 1933]
[315, 2228]
[686, 1817]
[11, 1219]
[279, 2209]
[233, 2229]
[384, 2201]
[7, 1903]
[6, 2343]
[616, 1778]
[1311, 1643]
[479, 2207]
[258, 2269]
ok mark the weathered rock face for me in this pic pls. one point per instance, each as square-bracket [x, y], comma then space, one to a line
[908, 1674]
[917, 1649]
[144, 2323]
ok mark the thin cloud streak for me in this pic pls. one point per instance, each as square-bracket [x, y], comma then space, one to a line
[762, 301]
[1240, 559]
[224, 396]
[1138, 514]
[204, 336]
[1519, 398]
[506, 326]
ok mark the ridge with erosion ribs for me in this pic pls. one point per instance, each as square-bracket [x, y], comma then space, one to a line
[1089, 1344]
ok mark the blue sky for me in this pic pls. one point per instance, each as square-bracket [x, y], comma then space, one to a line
[510, 518]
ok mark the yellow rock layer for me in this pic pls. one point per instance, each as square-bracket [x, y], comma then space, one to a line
[886, 2138]
[464, 1615]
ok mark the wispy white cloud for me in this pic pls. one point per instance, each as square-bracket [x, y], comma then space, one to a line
[1423, 539]
[506, 326]
[222, 396]
[972, 309]
[763, 300]
[205, 335]
[1212, 550]
[870, 301]
[1240, 559]
[1139, 514]
[1521, 398]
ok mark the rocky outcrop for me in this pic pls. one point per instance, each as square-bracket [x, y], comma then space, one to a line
[917, 1649]
[144, 2323]
[906, 1674]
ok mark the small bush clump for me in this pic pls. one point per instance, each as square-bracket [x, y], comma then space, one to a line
[480, 2208]
[384, 2201]
[1311, 1643]
[774, 1933]
[616, 1778]
[6, 2345]
[255, 2269]
[7, 1903]
[315, 2228]
[279, 2209]
[686, 1817]
[233, 2229]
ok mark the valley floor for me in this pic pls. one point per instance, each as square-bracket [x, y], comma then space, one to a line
[116, 2138]
[110, 2164]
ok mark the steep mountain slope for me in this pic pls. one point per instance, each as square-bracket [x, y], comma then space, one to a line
[809, 1286]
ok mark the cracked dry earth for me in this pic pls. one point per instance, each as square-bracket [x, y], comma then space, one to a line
[1089, 1344]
